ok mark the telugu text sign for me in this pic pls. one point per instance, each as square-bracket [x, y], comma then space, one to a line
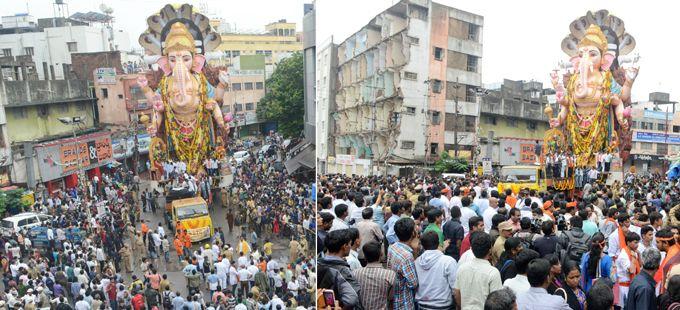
[56, 160]
[526, 154]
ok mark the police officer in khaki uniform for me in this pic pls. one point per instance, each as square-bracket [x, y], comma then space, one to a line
[125, 258]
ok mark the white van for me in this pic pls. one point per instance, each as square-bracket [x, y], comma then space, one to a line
[240, 156]
[21, 221]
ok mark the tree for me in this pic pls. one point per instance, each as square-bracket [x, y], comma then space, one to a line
[283, 101]
[448, 164]
[10, 201]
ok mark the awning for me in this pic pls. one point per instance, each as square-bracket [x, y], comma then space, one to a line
[305, 158]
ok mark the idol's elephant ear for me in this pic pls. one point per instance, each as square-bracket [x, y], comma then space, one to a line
[199, 62]
[164, 64]
[607, 60]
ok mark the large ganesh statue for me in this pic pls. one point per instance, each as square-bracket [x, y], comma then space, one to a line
[187, 124]
[594, 92]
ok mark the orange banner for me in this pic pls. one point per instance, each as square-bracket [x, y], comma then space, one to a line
[526, 153]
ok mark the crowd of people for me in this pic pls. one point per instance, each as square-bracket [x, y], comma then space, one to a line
[101, 251]
[387, 242]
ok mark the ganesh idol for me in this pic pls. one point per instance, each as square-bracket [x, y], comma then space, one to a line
[187, 123]
[594, 92]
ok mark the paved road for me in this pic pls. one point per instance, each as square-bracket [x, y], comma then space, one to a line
[176, 277]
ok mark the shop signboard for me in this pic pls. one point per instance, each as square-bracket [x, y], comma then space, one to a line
[59, 158]
[656, 137]
[105, 76]
[517, 151]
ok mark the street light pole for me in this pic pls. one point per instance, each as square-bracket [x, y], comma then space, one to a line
[73, 121]
[455, 120]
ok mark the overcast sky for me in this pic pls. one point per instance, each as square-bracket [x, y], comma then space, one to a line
[522, 38]
[131, 15]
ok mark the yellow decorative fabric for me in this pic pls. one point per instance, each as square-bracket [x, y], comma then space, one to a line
[586, 141]
[190, 144]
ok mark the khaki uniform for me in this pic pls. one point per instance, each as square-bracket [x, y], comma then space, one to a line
[125, 259]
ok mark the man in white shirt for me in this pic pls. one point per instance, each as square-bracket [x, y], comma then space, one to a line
[627, 266]
[341, 213]
[520, 283]
[488, 215]
[466, 212]
[476, 279]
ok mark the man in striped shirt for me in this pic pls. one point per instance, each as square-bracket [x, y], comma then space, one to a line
[401, 259]
[377, 283]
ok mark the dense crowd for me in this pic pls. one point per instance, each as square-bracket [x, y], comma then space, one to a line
[439, 243]
[97, 251]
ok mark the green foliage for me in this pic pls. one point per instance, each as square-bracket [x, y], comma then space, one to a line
[448, 164]
[10, 201]
[283, 102]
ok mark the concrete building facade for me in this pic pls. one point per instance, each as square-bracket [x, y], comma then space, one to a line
[51, 47]
[279, 40]
[326, 64]
[656, 134]
[511, 116]
[402, 79]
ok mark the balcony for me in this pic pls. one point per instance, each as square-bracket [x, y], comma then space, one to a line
[37, 92]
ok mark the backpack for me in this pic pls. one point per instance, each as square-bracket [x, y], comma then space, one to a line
[167, 303]
[527, 242]
[576, 247]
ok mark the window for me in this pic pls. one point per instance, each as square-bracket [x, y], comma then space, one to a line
[410, 75]
[236, 86]
[120, 96]
[661, 127]
[248, 86]
[226, 108]
[436, 86]
[490, 120]
[472, 63]
[436, 118]
[410, 110]
[646, 146]
[6, 52]
[438, 53]
[42, 111]
[20, 113]
[72, 46]
[433, 148]
[259, 85]
[2, 138]
[413, 40]
[249, 106]
[28, 51]
[634, 125]
[470, 93]
[676, 128]
[511, 122]
[531, 125]
[80, 106]
[238, 107]
[105, 92]
[470, 124]
[408, 145]
[661, 149]
[473, 32]
[235, 53]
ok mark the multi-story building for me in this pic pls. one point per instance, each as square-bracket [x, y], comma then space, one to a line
[326, 64]
[406, 85]
[656, 134]
[43, 117]
[246, 79]
[279, 40]
[512, 118]
[300, 160]
[51, 41]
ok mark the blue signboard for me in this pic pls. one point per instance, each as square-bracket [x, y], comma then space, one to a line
[656, 137]
[658, 114]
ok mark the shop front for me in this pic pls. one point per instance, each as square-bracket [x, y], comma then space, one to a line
[60, 161]
[645, 163]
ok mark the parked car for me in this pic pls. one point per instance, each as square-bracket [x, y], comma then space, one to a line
[22, 221]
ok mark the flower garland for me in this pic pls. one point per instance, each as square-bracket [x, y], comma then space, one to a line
[586, 141]
[190, 144]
